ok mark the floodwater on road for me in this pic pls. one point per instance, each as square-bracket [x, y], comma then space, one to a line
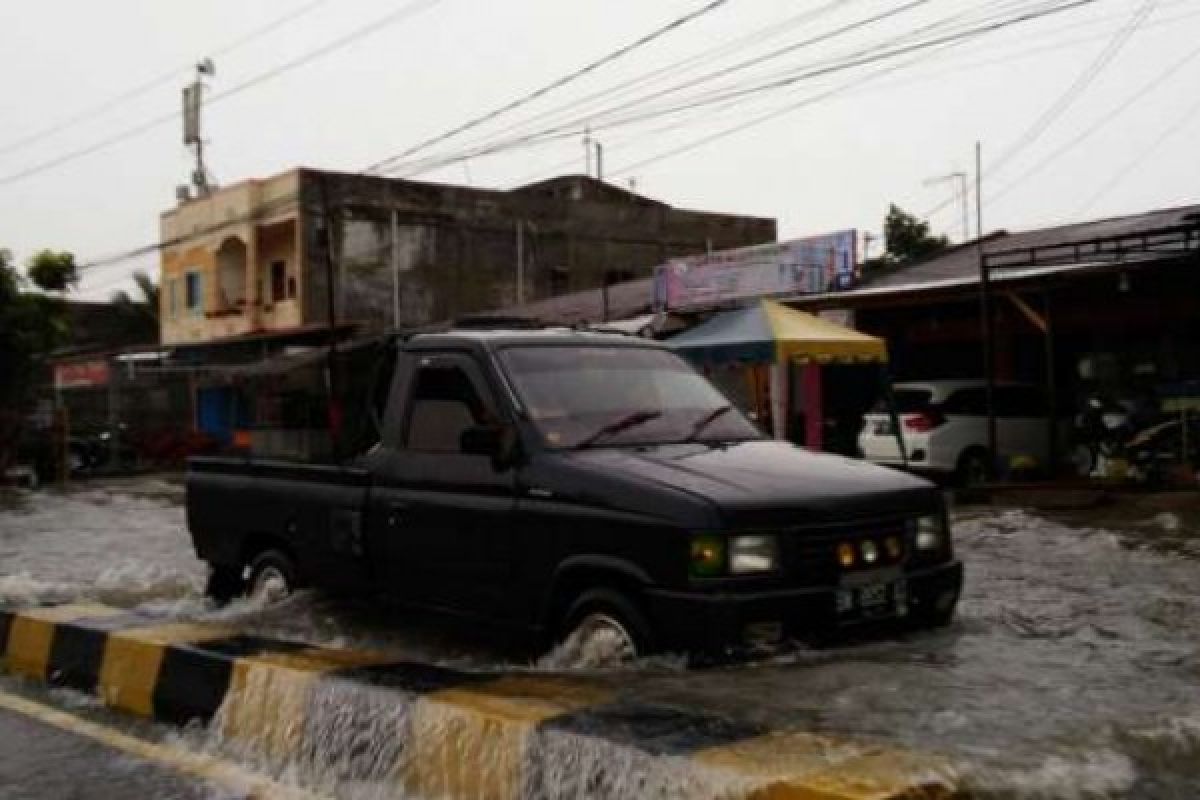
[1071, 671]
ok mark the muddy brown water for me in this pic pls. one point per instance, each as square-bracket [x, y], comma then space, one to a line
[1073, 669]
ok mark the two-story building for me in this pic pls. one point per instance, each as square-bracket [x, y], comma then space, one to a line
[259, 257]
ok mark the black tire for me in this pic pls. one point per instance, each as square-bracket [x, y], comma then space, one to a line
[973, 467]
[273, 564]
[224, 584]
[936, 619]
[616, 606]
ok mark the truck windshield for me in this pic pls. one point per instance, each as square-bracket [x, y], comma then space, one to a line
[597, 396]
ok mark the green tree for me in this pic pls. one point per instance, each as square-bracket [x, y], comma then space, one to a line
[146, 304]
[53, 271]
[906, 239]
[31, 325]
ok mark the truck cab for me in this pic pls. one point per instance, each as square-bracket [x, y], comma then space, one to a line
[556, 482]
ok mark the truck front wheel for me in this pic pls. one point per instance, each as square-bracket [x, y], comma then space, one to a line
[273, 577]
[224, 584]
[603, 627]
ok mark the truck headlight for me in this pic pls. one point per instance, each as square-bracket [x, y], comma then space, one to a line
[750, 554]
[931, 533]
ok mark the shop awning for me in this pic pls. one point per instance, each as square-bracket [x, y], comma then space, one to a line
[770, 332]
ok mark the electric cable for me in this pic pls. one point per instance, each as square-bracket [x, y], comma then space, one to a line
[153, 83]
[558, 83]
[407, 10]
[862, 58]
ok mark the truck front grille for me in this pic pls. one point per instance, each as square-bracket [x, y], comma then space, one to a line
[811, 555]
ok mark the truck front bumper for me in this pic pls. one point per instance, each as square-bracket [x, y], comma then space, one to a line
[720, 621]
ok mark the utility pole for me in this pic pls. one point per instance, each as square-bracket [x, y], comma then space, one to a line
[987, 329]
[193, 103]
[520, 264]
[599, 161]
[331, 375]
[395, 259]
[587, 151]
[960, 178]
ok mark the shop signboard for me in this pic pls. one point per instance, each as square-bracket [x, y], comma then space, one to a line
[811, 265]
[81, 375]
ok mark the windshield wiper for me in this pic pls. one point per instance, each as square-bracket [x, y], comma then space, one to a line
[630, 420]
[707, 420]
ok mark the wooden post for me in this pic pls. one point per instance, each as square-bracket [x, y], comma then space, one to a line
[1051, 389]
[814, 416]
[778, 398]
[62, 432]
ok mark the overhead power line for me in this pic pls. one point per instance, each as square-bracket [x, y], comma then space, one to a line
[763, 118]
[1066, 99]
[1177, 126]
[863, 57]
[153, 83]
[1081, 83]
[407, 10]
[1141, 93]
[558, 83]
[875, 87]
[707, 56]
[795, 46]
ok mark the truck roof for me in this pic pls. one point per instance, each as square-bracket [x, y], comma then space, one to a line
[503, 337]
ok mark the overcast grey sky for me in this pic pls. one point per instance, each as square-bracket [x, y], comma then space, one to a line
[864, 138]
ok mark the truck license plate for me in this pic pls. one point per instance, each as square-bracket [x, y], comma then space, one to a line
[874, 600]
[871, 597]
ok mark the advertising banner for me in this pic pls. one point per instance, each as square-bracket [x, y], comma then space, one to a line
[81, 375]
[810, 265]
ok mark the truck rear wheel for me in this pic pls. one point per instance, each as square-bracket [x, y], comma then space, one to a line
[607, 629]
[273, 577]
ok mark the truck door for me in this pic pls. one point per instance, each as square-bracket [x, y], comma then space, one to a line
[441, 519]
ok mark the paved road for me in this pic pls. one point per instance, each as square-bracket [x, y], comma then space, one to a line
[39, 761]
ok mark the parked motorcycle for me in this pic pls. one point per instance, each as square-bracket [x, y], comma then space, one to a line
[1100, 432]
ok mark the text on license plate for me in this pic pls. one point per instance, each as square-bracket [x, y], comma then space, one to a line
[874, 599]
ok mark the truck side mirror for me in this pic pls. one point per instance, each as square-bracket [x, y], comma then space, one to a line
[482, 440]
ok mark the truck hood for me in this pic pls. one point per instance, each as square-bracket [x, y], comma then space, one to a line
[767, 482]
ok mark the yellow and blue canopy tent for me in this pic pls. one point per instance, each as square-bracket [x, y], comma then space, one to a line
[769, 332]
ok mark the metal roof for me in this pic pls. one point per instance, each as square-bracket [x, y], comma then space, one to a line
[1030, 255]
[962, 263]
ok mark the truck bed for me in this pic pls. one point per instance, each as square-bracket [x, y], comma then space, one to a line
[312, 511]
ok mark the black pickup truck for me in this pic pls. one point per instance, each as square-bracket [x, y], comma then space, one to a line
[549, 482]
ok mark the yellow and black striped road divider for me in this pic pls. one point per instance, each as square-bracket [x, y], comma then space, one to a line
[335, 717]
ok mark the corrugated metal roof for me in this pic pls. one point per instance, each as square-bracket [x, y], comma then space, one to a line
[962, 263]
[626, 299]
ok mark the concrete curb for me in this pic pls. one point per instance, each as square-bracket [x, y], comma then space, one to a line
[334, 717]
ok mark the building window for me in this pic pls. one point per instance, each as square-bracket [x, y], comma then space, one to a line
[278, 281]
[194, 292]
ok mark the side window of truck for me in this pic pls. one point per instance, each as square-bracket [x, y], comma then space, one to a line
[445, 402]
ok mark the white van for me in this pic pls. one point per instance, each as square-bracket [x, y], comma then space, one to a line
[944, 427]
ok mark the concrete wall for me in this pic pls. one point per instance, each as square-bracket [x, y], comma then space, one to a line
[409, 253]
[454, 250]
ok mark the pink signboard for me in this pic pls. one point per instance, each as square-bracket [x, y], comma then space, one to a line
[81, 375]
[810, 265]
